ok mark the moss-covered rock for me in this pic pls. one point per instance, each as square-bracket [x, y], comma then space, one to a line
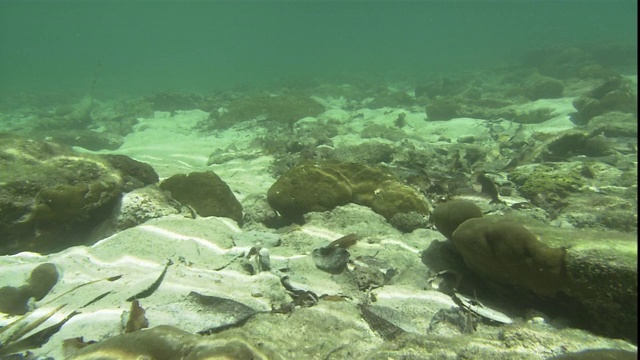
[542, 87]
[587, 276]
[506, 252]
[206, 193]
[615, 94]
[393, 197]
[602, 268]
[449, 215]
[51, 197]
[307, 188]
[135, 174]
[321, 187]
[614, 124]
[283, 109]
[544, 184]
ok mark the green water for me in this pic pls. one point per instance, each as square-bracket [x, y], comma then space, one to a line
[134, 47]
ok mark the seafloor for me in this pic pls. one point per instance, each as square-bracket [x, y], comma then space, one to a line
[315, 238]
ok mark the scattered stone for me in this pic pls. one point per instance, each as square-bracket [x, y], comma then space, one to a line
[15, 300]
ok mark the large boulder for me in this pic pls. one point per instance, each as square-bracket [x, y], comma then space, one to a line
[314, 187]
[587, 276]
[51, 197]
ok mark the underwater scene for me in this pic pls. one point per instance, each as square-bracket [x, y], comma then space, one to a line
[318, 179]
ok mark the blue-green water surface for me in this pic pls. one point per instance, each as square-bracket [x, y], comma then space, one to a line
[135, 47]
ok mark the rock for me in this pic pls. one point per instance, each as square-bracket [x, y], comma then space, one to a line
[506, 252]
[206, 193]
[285, 109]
[321, 187]
[90, 140]
[409, 221]
[614, 124]
[141, 205]
[135, 174]
[615, 94]
[51, 197]
[15, 300]
[331, 259]
[538, 87]
[449, 215]
[589, 277]
[392, 198]
[307, 188]
[598, 354]
[166, 342]
[602, 267]
[547, 186]
[443, 109]
[42, 280]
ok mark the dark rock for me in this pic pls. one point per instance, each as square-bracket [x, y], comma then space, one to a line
[408, 222]
[135, 174]
[14, 300]
[42, 280]
[443, 109]
[206, 193]
[615, 94]
[542, 87]
[87, 139]
[614, 124]
[331, 259]
[285, 109]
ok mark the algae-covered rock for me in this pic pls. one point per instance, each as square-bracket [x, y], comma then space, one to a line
[542, 87]
[449, 215]
[135, 174]
[615, 94]
[506, 252]
[614, 124]
[321, 187]
[603, 271]
[284, 109]
[394, 197]
[307, 188]
[51, 197]
[545, 185]
[589, 277]
[206, 193]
